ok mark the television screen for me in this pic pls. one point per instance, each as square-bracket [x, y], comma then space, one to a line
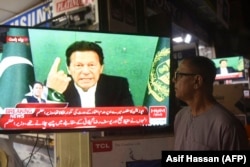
[33, 56]
[229, 68]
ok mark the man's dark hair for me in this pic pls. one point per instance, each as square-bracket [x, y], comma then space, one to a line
[222, 60]
[38, 82]
[205, 67]
[84, 46]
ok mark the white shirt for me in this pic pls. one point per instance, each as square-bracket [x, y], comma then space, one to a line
[223, 71]
[88, 97]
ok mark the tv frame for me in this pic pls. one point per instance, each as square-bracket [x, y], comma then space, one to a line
[161, 128]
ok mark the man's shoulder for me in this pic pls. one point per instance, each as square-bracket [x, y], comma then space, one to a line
[112, 81]
[223, 115]
[111, 77]
[231, 69]
[29, 97]
[183, 111]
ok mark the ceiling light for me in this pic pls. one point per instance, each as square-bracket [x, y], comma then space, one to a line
[188, 38]
[178, 39]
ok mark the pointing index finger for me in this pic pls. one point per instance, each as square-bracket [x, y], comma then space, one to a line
[55, 66]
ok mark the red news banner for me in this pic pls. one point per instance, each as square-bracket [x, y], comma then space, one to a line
[65, 118]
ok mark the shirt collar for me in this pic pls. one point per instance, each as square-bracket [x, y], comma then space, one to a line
[90, 90]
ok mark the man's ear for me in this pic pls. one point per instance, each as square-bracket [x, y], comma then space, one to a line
[198, 81]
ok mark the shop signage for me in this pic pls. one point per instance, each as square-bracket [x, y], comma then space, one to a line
[63, 6]
[31, 17]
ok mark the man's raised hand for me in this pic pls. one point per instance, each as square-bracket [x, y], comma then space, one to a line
[57, 80]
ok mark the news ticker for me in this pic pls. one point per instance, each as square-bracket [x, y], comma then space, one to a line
[200, 158]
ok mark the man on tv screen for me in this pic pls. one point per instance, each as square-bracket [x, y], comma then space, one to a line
[86, 86]
[36, 95]
[224, 68]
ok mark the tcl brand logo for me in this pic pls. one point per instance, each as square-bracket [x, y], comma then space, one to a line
[102, 146]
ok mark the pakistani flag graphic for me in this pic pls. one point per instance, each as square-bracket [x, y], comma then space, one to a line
[16, 67]
[158, 87]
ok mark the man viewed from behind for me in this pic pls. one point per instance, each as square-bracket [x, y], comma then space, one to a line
[204, 124]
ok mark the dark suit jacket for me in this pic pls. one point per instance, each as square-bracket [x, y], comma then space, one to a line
[229, 69]
[32, 99]
[110, 91]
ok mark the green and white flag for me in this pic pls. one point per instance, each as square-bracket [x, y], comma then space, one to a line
[16, 68]
[157, 93]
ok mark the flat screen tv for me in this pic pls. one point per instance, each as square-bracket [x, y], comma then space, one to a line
[229, 68]
[27, 55]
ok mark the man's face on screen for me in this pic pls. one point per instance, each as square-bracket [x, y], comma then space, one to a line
[37, 90]
[85, 68]
[223, 64]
